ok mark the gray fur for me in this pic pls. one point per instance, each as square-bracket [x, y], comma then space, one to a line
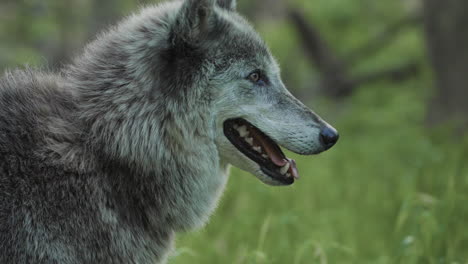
[106, 160]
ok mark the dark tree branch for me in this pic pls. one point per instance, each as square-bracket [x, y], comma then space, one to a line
[382, 39]
[333, 72]
[336, 81]
[396, 73]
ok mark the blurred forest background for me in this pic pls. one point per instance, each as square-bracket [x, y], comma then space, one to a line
[390, 75]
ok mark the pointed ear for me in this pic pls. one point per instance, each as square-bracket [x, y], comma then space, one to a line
[194, 17]
[228, 4]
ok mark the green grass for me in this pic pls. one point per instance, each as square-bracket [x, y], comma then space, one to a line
[391, 191]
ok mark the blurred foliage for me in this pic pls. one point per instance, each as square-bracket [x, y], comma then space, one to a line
[391, 191]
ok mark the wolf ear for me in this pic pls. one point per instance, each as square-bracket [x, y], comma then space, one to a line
[228, 4]
[194, 17]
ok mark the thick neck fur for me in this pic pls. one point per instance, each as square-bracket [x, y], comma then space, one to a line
[147, 124]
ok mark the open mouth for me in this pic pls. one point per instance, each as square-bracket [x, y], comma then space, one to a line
[260, 148]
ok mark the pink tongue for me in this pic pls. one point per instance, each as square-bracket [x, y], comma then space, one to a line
[278, 160]
[274, 155]
[271, 151]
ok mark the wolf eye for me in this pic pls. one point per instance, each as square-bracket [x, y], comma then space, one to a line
[254, 77]
[257, 78]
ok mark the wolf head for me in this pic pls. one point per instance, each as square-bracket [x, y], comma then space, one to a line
[253, 111]
[194, 69]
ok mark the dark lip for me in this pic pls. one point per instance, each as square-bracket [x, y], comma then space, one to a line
[266, 166]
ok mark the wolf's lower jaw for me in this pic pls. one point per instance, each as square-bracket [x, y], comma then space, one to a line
[260, 148]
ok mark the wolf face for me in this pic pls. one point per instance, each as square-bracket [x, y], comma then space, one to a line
[253, 112]
[257, 115]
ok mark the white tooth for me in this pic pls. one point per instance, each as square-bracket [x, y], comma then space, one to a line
[249, 140]
[285, 168]
[243, 132]
[265, 156]
[258, 149]
[288, 174]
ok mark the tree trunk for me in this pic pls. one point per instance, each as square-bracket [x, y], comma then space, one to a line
[263, 10]
[446, 26]
[104, 13]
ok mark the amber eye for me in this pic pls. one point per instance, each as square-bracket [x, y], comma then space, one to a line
[254, 77]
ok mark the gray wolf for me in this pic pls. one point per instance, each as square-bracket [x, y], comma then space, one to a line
[105, 160]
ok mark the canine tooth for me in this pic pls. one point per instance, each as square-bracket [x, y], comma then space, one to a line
[285, 168]
[258, 149]
[249, 140]
[288, 174]
[243, 132]
[265, 156]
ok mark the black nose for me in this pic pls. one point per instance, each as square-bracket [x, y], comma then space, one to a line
[329, 136]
